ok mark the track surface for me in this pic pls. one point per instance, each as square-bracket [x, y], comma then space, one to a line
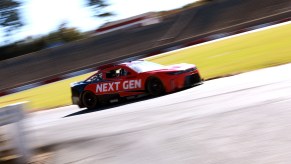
[239, 119]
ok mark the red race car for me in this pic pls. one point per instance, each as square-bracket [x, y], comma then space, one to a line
[113, 83]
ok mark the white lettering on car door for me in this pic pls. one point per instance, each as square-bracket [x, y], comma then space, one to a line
[116, 86]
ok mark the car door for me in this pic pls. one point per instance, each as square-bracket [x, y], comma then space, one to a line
[111, 83]
[131, 83]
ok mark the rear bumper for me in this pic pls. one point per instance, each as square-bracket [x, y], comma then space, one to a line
[75, 100]
[75, 96]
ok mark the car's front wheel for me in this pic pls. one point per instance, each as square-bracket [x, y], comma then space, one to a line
[155, 86]
[89, 100]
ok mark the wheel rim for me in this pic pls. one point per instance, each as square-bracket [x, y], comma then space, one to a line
[90, 100]
[156, 87]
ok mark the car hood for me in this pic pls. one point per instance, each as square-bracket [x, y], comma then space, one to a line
[179, 67]
[175, 67]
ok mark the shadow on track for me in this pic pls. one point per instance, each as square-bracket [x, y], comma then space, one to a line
[108, 106]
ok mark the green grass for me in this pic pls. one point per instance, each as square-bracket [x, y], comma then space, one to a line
[235, 55]
[46, 96]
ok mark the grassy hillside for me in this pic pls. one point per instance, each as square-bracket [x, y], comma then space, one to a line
[231, 56]
[235, 55]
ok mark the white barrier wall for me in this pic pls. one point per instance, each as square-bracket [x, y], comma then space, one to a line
[12, 138]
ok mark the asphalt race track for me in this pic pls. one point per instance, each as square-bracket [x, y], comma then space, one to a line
[239, 119]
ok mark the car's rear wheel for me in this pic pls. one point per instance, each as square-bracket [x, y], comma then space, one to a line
[89, 100]
[80, 105]
[155, 86]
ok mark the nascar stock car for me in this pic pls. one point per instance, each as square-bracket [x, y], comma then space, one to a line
[113, 83]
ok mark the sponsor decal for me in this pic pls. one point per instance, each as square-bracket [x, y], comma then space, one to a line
[115, 86]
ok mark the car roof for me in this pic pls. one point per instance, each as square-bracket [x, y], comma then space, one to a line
[120, 64]
[132, 62]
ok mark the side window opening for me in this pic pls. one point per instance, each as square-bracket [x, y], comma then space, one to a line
[112, 73]
[117, 73]
[124, 72]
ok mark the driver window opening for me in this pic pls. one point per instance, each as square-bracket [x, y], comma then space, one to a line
[116, 73]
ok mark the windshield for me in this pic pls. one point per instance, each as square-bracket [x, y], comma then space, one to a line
[144, 66]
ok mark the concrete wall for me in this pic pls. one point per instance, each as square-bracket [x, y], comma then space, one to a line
[219, 17]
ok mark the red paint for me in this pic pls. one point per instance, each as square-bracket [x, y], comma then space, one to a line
[135, 83]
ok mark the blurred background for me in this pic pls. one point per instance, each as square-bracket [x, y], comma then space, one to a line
[47, 44]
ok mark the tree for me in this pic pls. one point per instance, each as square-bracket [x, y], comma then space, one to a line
[98, 7]
[9, 16]
[63, 34]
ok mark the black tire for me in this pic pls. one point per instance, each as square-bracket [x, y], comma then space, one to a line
[80, 105]
[89, 100]
[155, 86]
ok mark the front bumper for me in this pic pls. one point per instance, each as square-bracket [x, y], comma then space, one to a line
[192, 80]
[187, 80]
